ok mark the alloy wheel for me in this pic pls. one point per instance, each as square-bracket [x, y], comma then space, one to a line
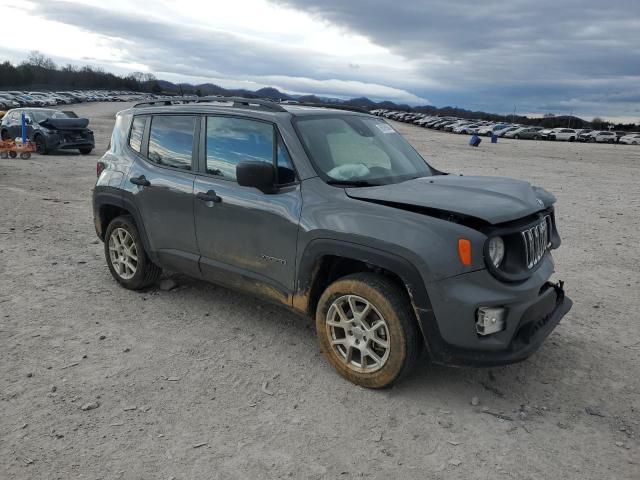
[358, 333]
[123, 253]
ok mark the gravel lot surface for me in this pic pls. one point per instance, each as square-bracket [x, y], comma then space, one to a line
[201, 382]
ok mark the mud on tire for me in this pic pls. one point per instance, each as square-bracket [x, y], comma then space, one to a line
[387, 301]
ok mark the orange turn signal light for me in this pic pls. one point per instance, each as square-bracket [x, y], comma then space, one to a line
[464, 251]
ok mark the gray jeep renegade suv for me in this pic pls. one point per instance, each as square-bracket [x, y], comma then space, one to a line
[333, 214]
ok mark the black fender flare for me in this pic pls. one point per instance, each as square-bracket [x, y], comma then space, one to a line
[312, 255]
[111, 196]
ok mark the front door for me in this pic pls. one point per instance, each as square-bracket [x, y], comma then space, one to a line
[246, 238]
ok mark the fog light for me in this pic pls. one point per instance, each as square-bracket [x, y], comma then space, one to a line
[490, 320]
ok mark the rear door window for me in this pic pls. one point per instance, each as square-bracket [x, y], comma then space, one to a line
[171, 141]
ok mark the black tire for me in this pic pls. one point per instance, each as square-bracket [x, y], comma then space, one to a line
[612, 141]
[536, 137]
[552, 137]
[147, 272]
[634, 143]
[12, 154]
[516, 136]
[25, 155]
[41, 145]
[592, 140]
[86, 151]
[393, 304]
[4, 135]
[572, 139]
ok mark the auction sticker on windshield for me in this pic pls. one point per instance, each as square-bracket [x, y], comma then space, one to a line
[384, 128]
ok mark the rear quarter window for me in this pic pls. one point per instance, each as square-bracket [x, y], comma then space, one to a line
[137, 130]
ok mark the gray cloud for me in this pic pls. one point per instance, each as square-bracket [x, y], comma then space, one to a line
[201, 52]
[579, 55]
[546, 51]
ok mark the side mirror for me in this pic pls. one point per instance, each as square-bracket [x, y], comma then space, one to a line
[260, 175]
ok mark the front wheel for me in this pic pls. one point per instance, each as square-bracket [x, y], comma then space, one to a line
[41, 145]
[126, 257]
[592, 140]
[367, 330]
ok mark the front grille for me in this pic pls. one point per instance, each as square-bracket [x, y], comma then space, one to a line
[537, 240]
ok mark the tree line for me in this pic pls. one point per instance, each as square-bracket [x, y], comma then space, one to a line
[40, 72]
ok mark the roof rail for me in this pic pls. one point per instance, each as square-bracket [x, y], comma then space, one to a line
[237, 102]
[351, 108]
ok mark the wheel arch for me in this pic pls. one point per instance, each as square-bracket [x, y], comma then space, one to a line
[324, 261]
[109, 203]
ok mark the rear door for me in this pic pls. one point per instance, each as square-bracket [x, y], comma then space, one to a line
[161, 182]
[248, 238]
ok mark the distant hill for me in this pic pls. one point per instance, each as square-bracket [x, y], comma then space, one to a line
[272, 93]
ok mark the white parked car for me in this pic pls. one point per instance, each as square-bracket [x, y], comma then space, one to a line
[603, 137]
[503, 131]
[563, 134]
[631, 139]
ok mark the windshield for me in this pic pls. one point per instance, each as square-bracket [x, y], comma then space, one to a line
[42, 115]
[358, 150]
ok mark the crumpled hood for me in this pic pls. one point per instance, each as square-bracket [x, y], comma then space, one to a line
[65, 123]
[492, 199]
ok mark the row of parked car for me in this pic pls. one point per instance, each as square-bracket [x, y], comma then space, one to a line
[509, 130]
[16, 98]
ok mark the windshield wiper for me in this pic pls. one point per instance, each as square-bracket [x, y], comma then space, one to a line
[353, 183]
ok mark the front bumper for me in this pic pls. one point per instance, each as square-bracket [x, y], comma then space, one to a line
[69, 141]
[534, 309]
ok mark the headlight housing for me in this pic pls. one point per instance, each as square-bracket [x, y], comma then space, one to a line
[496, 251]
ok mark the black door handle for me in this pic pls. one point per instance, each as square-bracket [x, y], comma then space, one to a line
[210, 196]
[141, 180]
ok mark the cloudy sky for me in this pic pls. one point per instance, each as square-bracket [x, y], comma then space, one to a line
[559, 56]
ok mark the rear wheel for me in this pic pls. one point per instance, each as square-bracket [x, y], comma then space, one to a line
[572, 139]
[367, 330]
[612, 141]
[536, 137]
[126, 257]
[592, 140]
[516, 136]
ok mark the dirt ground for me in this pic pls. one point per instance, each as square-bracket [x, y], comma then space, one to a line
[201, 382]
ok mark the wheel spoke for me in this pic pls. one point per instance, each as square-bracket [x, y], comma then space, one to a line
[372, 354]
[349, 355]
[373, 328]
[352, 305]
[363, 332]
[380, 341]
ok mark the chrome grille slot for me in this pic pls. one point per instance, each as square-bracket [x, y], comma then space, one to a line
[536, 241]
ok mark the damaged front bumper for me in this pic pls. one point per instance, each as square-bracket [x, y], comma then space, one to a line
[69, 140]
[533, 310]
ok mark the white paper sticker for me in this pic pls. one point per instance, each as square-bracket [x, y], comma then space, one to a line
[385, 128]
